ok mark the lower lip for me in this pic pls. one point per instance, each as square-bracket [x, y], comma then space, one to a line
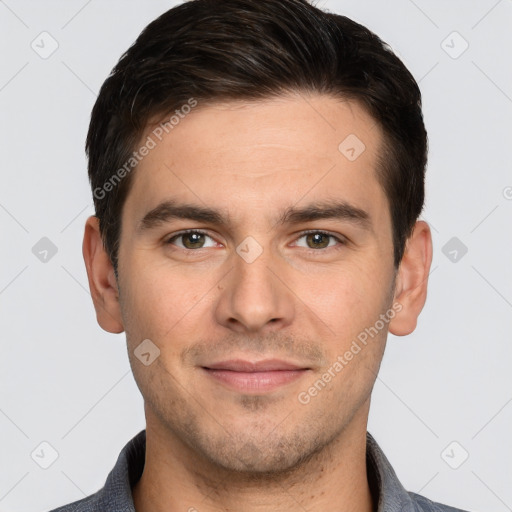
[255, 381]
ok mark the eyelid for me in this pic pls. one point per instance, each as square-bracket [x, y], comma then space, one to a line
[338, 236]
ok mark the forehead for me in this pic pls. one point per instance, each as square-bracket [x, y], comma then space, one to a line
[267, 154]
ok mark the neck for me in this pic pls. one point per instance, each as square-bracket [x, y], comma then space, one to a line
[177, 478]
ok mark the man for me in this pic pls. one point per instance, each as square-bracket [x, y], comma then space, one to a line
[258, 169]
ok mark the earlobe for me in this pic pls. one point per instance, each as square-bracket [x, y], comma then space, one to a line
[102, 281]
[412, 280]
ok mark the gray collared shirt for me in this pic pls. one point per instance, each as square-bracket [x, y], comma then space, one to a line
[116, 495]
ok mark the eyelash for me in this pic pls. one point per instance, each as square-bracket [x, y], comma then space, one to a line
[341, 240]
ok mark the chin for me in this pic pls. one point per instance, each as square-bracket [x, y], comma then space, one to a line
[260, 458]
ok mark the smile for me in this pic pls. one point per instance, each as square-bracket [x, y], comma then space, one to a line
[254, 377]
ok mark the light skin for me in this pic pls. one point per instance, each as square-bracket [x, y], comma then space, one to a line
[303, 300]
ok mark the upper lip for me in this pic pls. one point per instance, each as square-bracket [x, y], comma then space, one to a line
[267, 365]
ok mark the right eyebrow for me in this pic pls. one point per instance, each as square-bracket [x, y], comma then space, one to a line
[167, 210]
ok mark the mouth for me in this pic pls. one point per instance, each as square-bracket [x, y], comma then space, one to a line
[255, 376]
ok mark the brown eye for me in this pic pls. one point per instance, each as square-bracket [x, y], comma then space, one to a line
[318, 240]
[191, 240]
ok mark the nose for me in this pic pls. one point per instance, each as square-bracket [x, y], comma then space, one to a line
[255, 296]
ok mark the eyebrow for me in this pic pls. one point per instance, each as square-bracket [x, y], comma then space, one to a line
[169, 209]
[340, 210]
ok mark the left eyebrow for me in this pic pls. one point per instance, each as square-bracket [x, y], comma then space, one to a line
[341, 210]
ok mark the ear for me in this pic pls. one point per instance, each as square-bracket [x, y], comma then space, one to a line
[102, 281]
[412, 279]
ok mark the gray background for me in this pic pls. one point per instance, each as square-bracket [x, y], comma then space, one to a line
[67, 383]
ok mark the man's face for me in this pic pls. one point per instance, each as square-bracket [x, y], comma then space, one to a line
[269, 279]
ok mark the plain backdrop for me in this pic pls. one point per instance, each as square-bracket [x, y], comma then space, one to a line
[442, 405]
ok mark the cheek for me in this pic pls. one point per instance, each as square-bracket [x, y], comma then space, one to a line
[159, 298]
[348, 299]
